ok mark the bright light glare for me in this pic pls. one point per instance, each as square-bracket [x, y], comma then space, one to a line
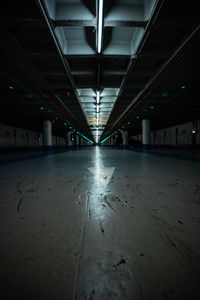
[97, 108]
[98, 97]
[97, 119]
[100, 25]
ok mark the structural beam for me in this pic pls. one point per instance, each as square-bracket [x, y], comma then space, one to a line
[92, 23]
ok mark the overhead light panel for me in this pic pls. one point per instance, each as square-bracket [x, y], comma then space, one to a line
[98, 97]
[97, 108]
[100, 25]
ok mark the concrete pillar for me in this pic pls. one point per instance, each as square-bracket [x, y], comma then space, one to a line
[125, 138]
[77, 141]
[68, 138]
[47, 134]
[146, 135]
[80, 141]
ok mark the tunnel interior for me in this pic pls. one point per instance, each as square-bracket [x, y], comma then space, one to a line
[99, 149]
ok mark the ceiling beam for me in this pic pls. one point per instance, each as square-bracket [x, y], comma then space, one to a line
[48, 21]
[132, 61]
[93, 23]
[193, 36]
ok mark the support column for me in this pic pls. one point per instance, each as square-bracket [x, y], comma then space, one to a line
[47, 135]
[146, 136]
[112, 141]
[125, 138]
[77, 141]
[68, 137]
[81, 141]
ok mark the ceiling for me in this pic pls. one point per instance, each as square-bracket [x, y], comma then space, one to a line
[51, 66]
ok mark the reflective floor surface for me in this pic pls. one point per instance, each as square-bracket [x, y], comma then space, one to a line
[100, 224]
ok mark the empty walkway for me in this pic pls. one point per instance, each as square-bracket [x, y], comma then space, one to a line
[100, 224]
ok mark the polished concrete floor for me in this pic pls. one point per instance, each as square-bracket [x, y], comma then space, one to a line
[100, 224]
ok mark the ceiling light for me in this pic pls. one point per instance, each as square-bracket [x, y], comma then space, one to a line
[183, 87]
[98, 97]
[100, 25]
[164, 94]
[97, 108]
[11, 87]
[29, 96]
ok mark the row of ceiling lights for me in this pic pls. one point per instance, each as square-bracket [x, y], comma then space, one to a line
[99, 46]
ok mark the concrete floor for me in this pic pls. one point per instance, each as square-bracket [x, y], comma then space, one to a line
[100, 224]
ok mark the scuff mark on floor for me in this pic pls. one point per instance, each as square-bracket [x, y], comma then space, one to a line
[19, 204]
[18, 187]
[105, 199]
[32, 190]
[101, 227]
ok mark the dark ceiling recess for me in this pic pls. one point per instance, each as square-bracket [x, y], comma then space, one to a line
[147, 67]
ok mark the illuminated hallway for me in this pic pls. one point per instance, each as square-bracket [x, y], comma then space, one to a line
[99, 150]
[85, 225]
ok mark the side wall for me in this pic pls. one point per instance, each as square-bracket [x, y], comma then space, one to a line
[186, 134]
[13, 138]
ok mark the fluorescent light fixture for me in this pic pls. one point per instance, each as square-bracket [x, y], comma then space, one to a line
[97, 108]
[100, 25]
[98, 97]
